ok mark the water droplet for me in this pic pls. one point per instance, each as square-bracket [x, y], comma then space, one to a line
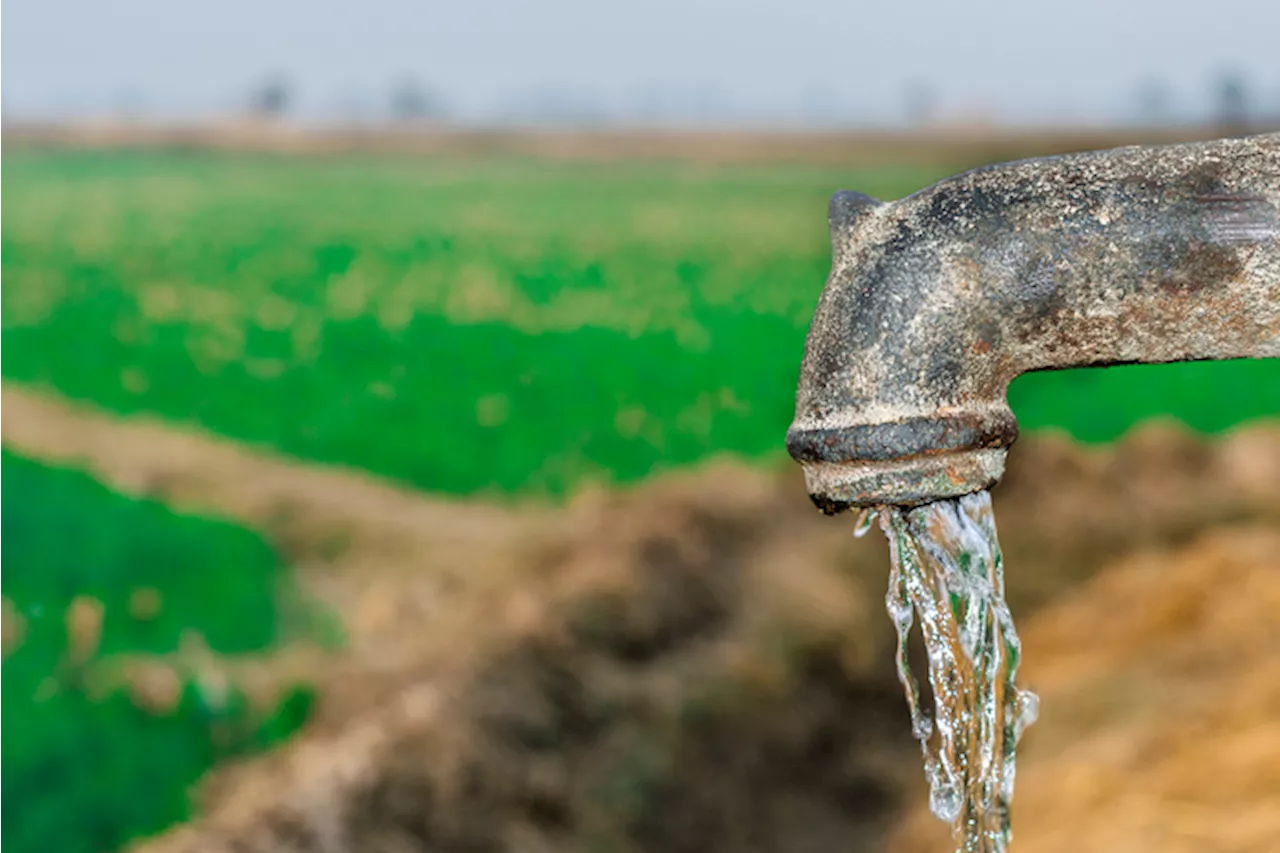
[944, 802]
[898, 603]
[1028, 710]
[921, 726]
[866, 520]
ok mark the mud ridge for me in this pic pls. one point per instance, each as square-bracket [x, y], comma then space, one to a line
[698, 663]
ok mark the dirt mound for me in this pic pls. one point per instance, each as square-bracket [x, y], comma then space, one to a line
[699, 668]
[699, 663]
[1159, 683]
[658, 648]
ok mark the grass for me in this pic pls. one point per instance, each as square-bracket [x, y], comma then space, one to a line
[470, 325]
[461, 325]
[88, 767]
[1098, 405]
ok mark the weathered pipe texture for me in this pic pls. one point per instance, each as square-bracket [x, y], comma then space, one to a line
[937, 301]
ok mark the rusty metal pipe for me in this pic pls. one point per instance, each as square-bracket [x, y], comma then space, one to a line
[937, 301]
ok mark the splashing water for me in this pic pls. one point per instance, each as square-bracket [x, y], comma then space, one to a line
[946, 567]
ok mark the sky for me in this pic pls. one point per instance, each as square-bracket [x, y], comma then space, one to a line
[781, 61]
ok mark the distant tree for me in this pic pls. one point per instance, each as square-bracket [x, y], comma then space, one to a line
[130, 105]
[272, 98]
[1154, 101]
[1232, 100]
[411, 101]
[919, 102]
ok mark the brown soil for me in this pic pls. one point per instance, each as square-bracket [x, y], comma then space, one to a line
[696, 664]
[955, 146]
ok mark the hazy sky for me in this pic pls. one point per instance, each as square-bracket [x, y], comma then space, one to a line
[1026, 60]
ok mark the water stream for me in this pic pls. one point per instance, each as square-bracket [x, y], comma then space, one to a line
[946, 569]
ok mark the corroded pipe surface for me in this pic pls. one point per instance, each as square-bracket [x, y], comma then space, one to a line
[937, 301]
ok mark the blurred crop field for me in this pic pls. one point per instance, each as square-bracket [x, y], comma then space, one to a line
[500, 326]
[508, 329]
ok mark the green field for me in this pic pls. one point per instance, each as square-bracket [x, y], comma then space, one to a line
[83, 769]
[469, 325]
[492, 326]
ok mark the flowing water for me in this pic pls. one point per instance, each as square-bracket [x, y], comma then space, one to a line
[947, 570]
